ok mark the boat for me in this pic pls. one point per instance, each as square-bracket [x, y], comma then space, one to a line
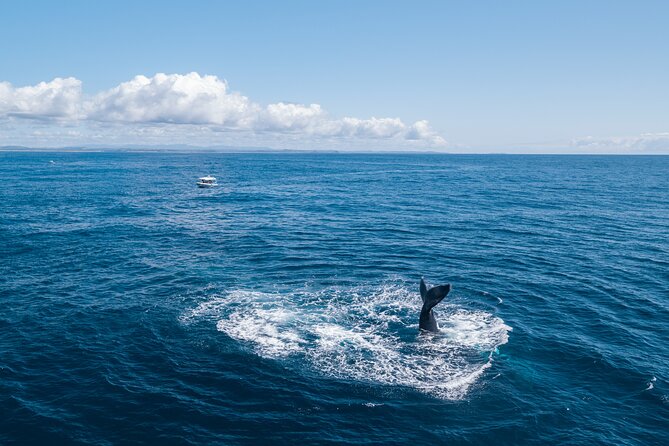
[207, 181]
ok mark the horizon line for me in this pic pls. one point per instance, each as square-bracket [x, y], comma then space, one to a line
[268, 150]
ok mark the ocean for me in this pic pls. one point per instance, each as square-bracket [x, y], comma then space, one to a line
[282, 306]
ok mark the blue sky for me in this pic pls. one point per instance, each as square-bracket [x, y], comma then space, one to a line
[571, 76]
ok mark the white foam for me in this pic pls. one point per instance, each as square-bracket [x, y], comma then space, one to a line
[650, 384]
[362, 333]
[266, 329]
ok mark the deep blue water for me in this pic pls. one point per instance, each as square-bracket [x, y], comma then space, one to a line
[283, 305]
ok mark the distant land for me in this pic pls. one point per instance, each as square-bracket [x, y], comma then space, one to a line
[186, 148]
[141, 148]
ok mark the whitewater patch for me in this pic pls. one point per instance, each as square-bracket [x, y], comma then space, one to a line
[364, 333]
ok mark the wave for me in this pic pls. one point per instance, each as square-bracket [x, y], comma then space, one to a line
[363, 333]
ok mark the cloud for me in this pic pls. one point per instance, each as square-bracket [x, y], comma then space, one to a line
[60, 98]
[173, 98]
[421, 130]
[290, 117]
[192, 99]
[644, 143]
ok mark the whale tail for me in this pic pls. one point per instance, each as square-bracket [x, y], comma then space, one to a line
[434, 295]
[431, 298]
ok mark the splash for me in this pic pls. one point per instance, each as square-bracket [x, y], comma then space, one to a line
[367, 334]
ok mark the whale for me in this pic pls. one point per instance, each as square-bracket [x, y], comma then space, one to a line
[431, 298]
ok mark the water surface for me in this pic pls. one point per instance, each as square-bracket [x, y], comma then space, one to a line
[283, 305]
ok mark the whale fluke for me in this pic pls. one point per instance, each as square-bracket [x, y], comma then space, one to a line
[431, 298]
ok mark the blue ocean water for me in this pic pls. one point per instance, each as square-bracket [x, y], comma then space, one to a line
[283, 305]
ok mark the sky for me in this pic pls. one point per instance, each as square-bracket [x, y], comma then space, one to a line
[457, 76]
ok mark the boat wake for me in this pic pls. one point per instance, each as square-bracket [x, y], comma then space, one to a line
[367, 334]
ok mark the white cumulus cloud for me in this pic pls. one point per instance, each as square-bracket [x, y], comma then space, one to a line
[172, 98]
[194, 99]
[60, 98]
[292, 117]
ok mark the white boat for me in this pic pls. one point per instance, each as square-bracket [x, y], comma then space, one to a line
[207, 181]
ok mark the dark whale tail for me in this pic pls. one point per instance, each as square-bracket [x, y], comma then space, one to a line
[431, 298]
